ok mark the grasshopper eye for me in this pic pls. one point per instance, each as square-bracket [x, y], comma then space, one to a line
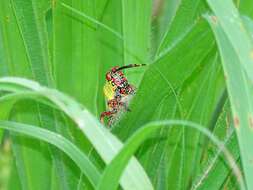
[108, 77]
[114, 69]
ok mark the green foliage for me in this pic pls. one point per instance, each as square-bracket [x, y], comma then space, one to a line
[199, 75]
[238, 77]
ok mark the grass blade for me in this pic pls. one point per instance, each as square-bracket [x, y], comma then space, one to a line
[29, 15]
[215, 171]
[25, 31]
[183, 80]
[114, 170]
[136, 33]
[181, 23]
[239, 89]
[60, 142]
[106, 144]
[89, 18]
[230, 21]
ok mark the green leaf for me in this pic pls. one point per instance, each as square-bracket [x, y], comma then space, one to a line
[26, 54]
[3, 68]
[60, 142]
[73, 71]
[114, 170]
[111, 46]
[75, 65]
[14, 181]
[70, 45]
[171, 88]
[106, 144]
[88, 38]
[181, 23]
[239, 87]
[136, 33]
[91, 19]
[215, 170]
[234, 29]
[34, 35]
[245, 7]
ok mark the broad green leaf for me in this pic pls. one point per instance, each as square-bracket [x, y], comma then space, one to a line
[184, 19]
[75, 61]
[239, 89]
[171, 88]
[162, 72]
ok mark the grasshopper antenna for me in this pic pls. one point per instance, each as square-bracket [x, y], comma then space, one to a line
[129, 66]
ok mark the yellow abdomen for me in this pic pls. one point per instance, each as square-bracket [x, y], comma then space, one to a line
[109, 90]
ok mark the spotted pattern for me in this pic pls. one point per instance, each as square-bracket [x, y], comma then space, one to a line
[121, 88]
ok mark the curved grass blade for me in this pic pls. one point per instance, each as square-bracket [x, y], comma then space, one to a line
[12, 98]
[106, 144]
[215, 171]
[230, 21]
[60, 142]
[114, 170]
[240, 92]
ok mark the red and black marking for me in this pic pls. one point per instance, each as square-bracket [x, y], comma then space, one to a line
[118, 79]
[123, 89]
